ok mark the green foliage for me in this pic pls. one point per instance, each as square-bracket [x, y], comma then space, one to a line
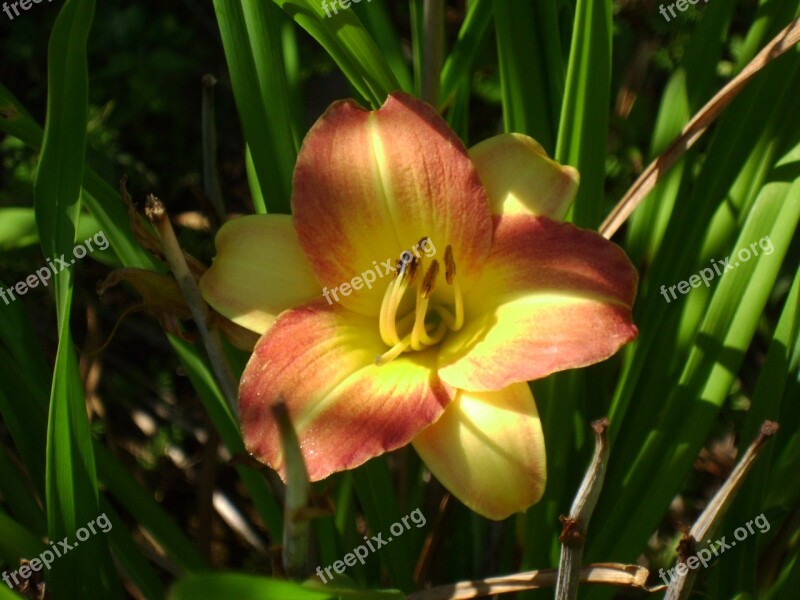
[604, 86]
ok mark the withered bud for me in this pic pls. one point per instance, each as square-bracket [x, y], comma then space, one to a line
[154, 209]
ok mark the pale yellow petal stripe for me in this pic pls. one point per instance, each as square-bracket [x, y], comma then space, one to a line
[520, 178]
[259, 271]
[488, 450]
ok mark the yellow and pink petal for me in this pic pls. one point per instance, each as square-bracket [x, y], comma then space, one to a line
[369, 185]
[488, 450]
[321, 361]
[551, 297]
[521, 179]
[259, 271]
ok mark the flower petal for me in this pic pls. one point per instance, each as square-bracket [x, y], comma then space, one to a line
[488, 450]
[369, 185]
[521, 179]
[259, 271]
[551, 297]
[345, 408]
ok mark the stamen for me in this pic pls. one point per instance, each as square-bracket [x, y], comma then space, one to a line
[405, 275]
[449, 265]
[430, 279]
[423, 297]
[446, 315]
[459, 306]
[436, 337]
[418, 335]
[394, 351]
[403, 344]
[450, 277]
[386, 328]
[410, 268]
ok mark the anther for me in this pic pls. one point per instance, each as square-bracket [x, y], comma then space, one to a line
[409, 269]
[430, 279]
[449, 265]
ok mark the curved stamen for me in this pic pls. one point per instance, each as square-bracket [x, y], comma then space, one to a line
[432, 340]
[384, 323]
[419, 335]
[394, 351]
[446, 315]
[403, 344]
[459, 306]
[406, 273]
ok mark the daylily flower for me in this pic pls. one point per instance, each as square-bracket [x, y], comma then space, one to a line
[439, 353]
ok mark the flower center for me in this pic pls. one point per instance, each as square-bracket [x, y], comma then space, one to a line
[415, 331]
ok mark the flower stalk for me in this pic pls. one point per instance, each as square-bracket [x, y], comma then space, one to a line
[709, 520]
[157, 215]
[573, 535]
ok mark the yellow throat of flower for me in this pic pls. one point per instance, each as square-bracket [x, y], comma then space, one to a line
[412, 332]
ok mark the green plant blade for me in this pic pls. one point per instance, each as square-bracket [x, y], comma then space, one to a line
[252, 49]
[583, 127]
[348, 43]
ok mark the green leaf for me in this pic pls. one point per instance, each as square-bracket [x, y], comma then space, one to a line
[17, 228]
[717, 352]
[348, 43]
[688, 88]
[137, 568]
[149, 515]
[234, 586]
[17, 542]
[219, 412]
[250, 36]
[99, 197]
[583, 127]
[532, 70]
[72, 496]
[740, 566]
[376, 493]
[20, 500]
[458, 64]
[6, 594]
[378, 22]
